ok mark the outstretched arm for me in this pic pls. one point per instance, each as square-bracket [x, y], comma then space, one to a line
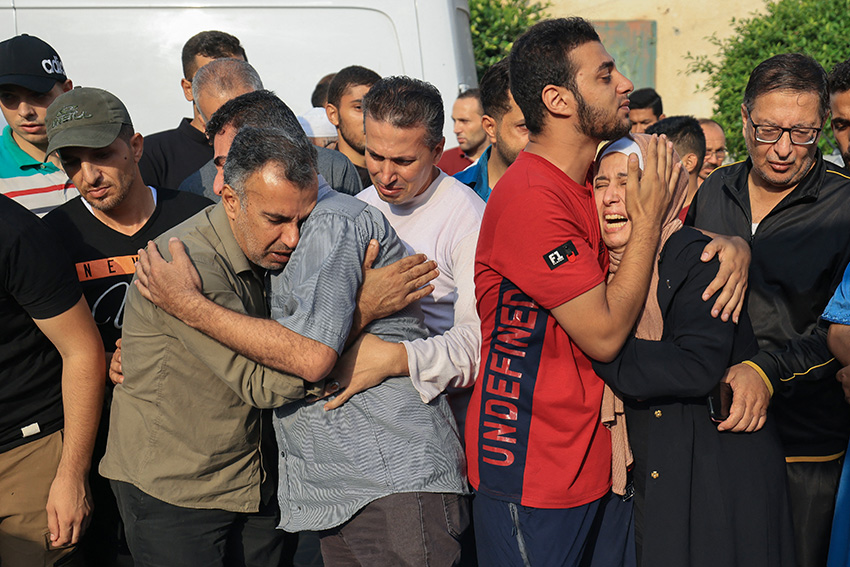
[75, 336]
[175, 287]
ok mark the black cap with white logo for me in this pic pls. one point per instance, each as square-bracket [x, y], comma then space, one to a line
[31, 63]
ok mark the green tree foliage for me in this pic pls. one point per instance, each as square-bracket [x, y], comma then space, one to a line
[495, 24]
[819, 28]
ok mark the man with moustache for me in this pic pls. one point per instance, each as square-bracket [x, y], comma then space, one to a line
[715, 147]
[791, 206]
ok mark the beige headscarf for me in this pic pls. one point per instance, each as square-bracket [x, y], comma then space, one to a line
[650, 324]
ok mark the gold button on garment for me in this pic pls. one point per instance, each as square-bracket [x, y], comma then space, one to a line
[654, 474]
[658, 413]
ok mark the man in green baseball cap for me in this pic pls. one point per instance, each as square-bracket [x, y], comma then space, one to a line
[102, 230]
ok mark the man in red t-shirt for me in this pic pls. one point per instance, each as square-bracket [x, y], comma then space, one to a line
[539, 458]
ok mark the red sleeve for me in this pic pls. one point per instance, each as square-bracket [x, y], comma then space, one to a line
[543, 248]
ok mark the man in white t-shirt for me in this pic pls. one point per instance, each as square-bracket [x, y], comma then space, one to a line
[433, 214]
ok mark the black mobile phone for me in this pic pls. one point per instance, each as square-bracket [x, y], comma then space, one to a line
[719, 402]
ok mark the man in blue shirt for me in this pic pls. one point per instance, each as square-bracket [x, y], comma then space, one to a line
[505, 127]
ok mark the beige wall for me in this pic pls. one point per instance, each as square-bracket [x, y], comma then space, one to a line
[681, 26]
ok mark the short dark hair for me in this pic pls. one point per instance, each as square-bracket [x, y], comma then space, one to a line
[126, 132]
[470, 93]
[404, 102]
[495, 87]
[839, 77]
[647, 98]
[214, 44]
[540, 57]
[254, 148]
[257, 109]
[352, 76]
[320, 94]
[788, 72]
[685, 133]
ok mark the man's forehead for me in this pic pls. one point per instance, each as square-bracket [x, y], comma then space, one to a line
[19, 90]
[470, 104]
[591, 57]
[780, 101]
[839, 101]
[80, 150]
[356, 91]
[410, 135]
[710, 128]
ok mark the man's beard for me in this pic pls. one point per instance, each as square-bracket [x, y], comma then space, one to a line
[345, 134]
[594, 123]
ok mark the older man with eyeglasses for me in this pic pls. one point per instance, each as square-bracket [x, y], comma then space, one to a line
[715, 148]
[792, 206]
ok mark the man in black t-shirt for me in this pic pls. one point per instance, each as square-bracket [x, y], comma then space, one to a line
[172, 155]
[115, 215]
[48, 348]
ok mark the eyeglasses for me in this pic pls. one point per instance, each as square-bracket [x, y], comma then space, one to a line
[718, 154]
[768, 134]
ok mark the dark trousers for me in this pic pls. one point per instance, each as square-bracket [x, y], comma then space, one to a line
[162, 535]
[812, 487]
[611, 542]
[512, 535]
[419, 529]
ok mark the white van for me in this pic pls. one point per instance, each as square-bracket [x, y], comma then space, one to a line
[132, 47]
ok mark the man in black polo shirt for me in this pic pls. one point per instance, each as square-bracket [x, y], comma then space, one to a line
[51, 376]
[792, 207]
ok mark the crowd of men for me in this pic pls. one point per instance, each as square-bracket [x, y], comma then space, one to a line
[259, 324]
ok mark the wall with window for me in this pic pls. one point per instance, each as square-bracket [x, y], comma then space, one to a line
[651, 39]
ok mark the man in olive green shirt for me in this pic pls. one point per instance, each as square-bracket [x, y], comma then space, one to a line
[185, 426]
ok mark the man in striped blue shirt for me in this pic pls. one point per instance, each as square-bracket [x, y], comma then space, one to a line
[31, 77]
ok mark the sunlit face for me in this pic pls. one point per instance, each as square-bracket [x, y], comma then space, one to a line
[839, 104]
[25, 110]
[609, 189]
[348, 118]
[603, 93]
[715, 148]
[267, 221]
[221, 145]
[511, 133]
[466, 115]
[104, 176]
[642, 118]
[781, 165]
[399, 161]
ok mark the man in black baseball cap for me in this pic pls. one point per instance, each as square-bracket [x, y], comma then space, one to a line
[31, 77]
